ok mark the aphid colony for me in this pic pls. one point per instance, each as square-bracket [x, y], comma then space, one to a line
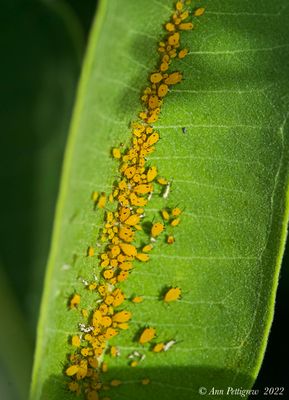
[129, 196]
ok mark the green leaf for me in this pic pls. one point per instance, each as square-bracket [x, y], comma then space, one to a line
[229, 173]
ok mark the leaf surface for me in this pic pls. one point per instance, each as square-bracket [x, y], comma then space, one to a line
[229, 173]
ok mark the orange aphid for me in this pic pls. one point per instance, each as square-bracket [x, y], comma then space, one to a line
[185, 26]
[152, 173]
[133, 220]
[174, 78]
[183, 53]
[156, 77]
[74, 301]
[90, 251]
[172, 294]
[163, 90]
[143, 189]
[175, 222]
[147, 248]
[157, 229]
[170, 239]
[152, 139]
[122, 316]
[75, 341]
[158, 347]
[147, 335]
[142, 257]
[137, 299]
[116, 153]
[174, 39]
[124, 213]
[72, 370]
[128, 249]
[199, 11]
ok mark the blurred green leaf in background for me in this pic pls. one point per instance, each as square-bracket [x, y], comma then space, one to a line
[42, 45]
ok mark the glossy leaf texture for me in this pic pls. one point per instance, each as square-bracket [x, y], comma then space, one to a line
[229, 174]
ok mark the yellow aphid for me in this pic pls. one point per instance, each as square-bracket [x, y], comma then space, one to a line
[96, 318]
[123, 325]
[145, 381]
[140, 211]
[115, 250]
[183, 53]
[176, 212]
[111, 332]
[106, 321]
[162, 181]
[114, 352]
[157, 229]
[152, 139]
[165, 215]
[147, 335]
[85, 351]
[147, 248]
[110, 198]
[199, 11]
[142, 257]
[84, 313]
[129, 172]
[179, 5]
[128, 249]
[126, 234]
[118, 300]
[163, 90]
[133, 220]
[174, 78]
[92, 395]
[75, 341]
[153, 101]
[174, 39]
[186, 26]
[109, 300]
[172, 294]
[134, 363]
[72, 370]
[170, 27]
[75, 300]
[137, 299]
[101, 201]
[124, 213]
[82, 370]
[164, 67]
[116, 153]
[175, 222]
[170, 239]
[152, 173]
[104, 367]
[158, 347]
[108, 274]
[125, 266]
[102, 290]
[143, 189]
[122, 316]
[115, 382]
[94, 196]
[90, 251]
[122, 276]
[105, 263]
[184, 15]
[74, 387]
[156, 77]
[93, 362]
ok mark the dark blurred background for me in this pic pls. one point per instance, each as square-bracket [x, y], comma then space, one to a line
[42, 47]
